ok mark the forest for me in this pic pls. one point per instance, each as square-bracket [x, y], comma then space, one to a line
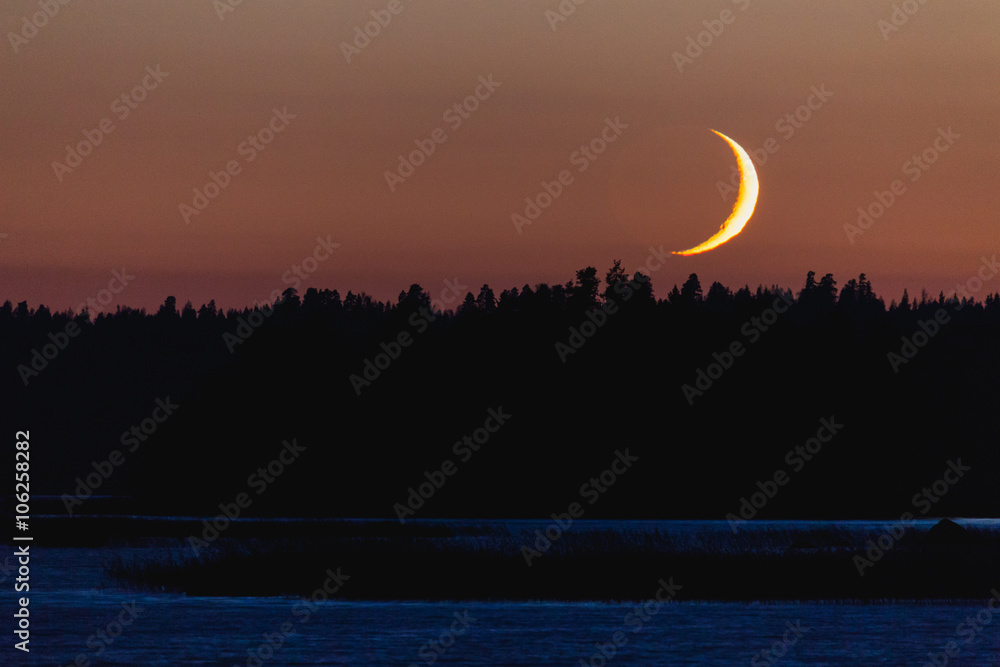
[508, 404]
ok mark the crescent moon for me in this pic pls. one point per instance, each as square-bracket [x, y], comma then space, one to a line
[742, 209]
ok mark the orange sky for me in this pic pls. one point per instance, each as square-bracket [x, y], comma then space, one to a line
[323, 175]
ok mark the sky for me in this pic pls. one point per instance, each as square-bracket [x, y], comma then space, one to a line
[117, 116]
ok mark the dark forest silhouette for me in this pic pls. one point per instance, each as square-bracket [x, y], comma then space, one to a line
[245, 380]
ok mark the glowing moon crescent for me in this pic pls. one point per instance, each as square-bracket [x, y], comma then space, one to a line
[742, 209]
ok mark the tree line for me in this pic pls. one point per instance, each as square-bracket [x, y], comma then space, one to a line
[246, 379]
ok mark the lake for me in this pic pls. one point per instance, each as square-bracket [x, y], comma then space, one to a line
[79, 617]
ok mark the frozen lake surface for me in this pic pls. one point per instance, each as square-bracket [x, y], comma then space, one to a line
[78, 618]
